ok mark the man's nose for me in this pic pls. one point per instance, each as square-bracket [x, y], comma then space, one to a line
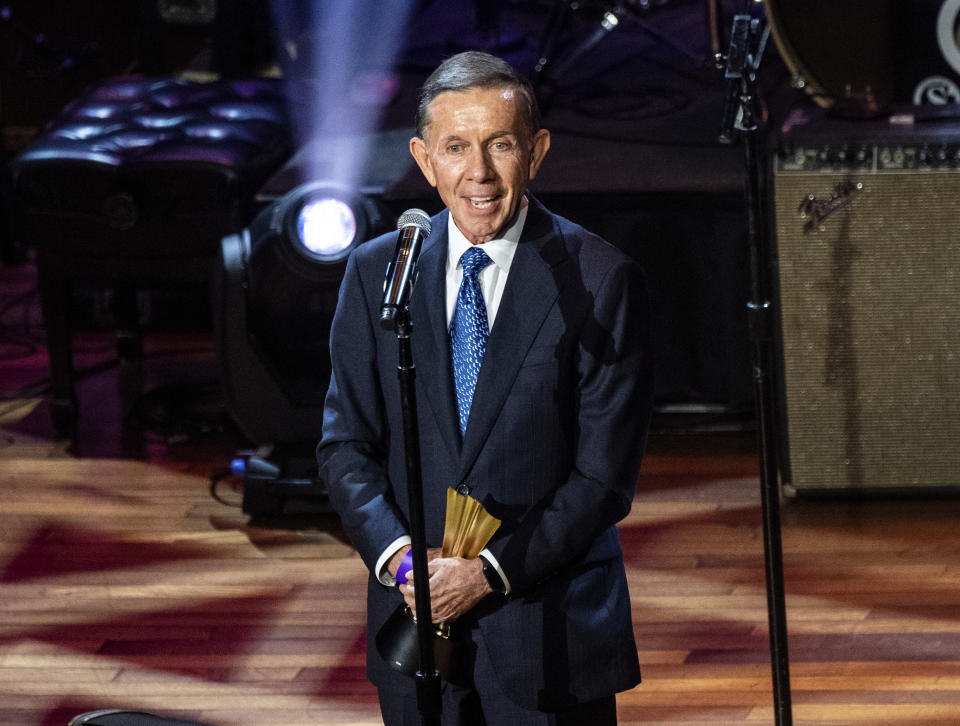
[479, 166]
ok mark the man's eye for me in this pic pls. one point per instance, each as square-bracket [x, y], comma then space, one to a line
[501, 145]
[454, 148]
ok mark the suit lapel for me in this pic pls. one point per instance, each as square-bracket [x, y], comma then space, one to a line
[431, 348]
[530, 293]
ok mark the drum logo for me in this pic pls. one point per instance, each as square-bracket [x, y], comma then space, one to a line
[937, 90]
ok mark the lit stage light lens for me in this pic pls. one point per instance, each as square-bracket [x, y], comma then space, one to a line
[326, 227]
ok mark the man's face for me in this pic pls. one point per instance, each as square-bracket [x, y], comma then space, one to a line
[479, 155]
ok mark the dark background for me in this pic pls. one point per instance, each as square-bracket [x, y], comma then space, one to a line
[635, 116]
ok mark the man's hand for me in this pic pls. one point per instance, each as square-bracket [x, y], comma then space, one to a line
[456, 585]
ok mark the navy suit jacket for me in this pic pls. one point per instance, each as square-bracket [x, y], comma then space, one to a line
[552, 448]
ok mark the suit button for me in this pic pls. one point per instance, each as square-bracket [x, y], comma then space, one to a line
[463, 489]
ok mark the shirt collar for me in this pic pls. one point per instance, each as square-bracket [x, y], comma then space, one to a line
[500, 250]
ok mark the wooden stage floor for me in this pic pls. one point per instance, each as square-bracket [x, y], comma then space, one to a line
[124, 583]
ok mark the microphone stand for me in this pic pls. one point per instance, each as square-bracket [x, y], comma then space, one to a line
[742, 112]
[428, 677]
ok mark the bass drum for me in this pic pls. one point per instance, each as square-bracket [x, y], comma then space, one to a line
[841, 52]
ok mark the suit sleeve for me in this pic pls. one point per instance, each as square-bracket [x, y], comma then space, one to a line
[352, 453]
[615, 400]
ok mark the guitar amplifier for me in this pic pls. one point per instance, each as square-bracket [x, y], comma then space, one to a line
[867, 226]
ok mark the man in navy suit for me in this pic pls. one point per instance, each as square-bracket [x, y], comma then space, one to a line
[550, 441]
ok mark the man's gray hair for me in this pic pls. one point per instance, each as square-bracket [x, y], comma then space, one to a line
[474, 69]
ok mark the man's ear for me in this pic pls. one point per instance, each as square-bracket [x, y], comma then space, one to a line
[418, 148]
[541, 144]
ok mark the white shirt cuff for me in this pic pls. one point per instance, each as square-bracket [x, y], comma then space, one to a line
[488, 556]
[383, 574]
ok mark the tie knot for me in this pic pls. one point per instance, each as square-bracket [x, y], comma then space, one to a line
[473, 261]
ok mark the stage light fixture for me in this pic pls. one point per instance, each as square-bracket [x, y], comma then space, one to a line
[275, 290]
[326, 227]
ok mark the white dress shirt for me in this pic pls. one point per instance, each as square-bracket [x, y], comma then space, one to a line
[493, 278]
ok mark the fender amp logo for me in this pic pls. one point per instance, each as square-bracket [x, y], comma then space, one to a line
[816, 211]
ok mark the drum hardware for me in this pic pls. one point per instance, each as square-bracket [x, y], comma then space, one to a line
[842, 55]
[553, 64]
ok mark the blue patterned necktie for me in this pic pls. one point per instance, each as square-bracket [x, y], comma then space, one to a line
[468, 331]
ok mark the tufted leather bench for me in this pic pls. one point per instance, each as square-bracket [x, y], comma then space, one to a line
[133, 185]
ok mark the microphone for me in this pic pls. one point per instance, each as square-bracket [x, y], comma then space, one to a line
[413, 225]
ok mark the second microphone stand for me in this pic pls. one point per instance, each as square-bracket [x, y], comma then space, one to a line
[743, 113]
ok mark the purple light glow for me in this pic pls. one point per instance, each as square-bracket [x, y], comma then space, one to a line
[338, 61]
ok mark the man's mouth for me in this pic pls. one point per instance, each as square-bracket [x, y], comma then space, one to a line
[482, 202]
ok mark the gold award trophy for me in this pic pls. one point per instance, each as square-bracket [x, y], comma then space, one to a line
[467, 529]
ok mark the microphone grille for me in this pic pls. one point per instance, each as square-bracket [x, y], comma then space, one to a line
[416, 218]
